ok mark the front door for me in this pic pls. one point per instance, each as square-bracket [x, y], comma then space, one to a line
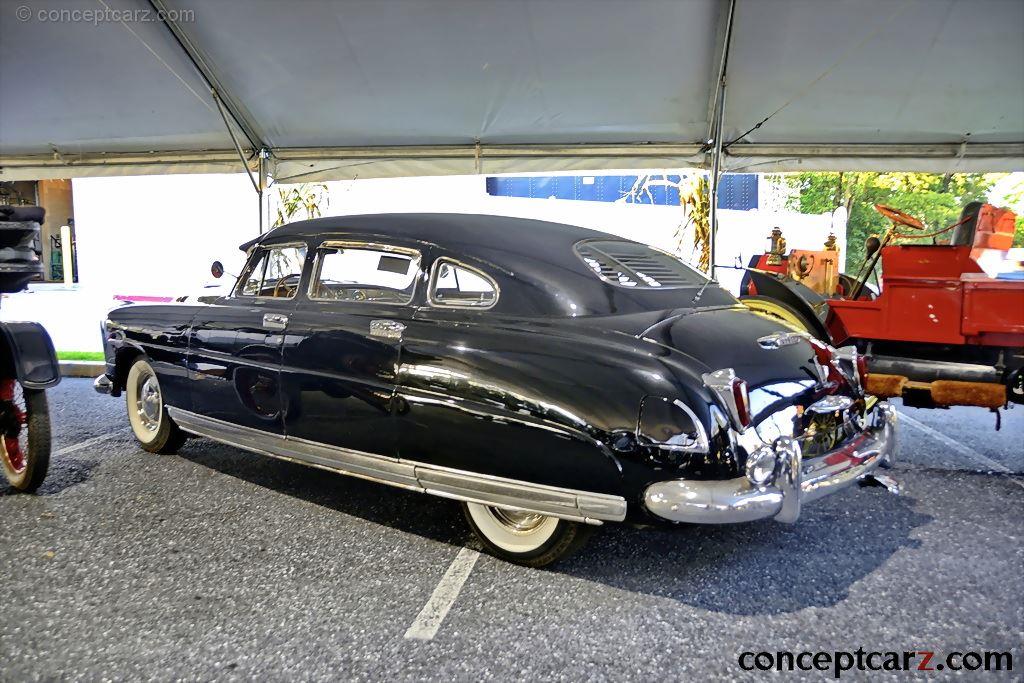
[234, 360]
[341, 351]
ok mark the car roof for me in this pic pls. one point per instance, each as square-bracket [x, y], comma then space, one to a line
[533, 261]
[456, 232]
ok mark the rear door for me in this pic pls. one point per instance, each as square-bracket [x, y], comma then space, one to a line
[235, 345]
[341, 350]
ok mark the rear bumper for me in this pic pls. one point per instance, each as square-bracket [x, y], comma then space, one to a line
[796, 482]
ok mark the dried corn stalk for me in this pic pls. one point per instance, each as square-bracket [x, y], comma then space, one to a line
[695, 199]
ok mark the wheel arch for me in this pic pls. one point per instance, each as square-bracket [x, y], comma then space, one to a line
[124, 358]
[27, 353]
[800, 299]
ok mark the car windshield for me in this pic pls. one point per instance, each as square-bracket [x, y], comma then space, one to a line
[628, 264]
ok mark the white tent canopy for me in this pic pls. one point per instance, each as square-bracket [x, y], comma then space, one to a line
[348, 89]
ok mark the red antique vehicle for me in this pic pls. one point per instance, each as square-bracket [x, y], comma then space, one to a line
[28, 364]
[940, 332]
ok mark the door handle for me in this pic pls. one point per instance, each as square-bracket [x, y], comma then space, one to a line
[274, 321]
[386, 329]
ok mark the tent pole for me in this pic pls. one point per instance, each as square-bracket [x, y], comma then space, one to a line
[226, 104]
[717, 125]
[263, 155]
[206, 72]
[715, 175]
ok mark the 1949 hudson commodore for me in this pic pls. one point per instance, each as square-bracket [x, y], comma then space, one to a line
[551, 378]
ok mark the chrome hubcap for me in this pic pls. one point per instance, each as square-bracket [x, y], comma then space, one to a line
[515, 520]
[149, 403]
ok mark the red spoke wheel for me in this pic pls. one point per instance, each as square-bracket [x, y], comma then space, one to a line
[25, 441]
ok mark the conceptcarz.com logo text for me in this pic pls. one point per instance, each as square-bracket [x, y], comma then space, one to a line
[101, 15]
[839, 662]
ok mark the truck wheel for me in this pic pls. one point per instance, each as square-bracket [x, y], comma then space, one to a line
[25, 444]
[147, 414]
[777, 310]
[525, 538]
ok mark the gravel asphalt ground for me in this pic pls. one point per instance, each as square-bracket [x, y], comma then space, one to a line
[219, 564]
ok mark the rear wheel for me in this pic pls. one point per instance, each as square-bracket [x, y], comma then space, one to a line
[525, 538]
[147, 414]
[776, 310]
[25, 441]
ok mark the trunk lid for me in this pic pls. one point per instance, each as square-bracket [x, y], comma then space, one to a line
[711, 338]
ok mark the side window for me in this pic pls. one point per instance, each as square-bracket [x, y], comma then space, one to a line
[273, 273]
[364, 273]
[457, 285]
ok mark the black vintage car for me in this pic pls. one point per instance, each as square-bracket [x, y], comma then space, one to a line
[551, 378]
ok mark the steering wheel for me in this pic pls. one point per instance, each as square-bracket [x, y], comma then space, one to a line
[282, 283]
[899, 217]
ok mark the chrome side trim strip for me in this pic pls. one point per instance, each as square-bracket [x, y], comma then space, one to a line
[570, 504]
[374, 467]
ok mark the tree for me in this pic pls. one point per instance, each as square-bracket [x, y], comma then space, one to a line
[1014, 199]
[936, 199]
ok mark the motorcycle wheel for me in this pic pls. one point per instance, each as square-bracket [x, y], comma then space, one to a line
[25, 438]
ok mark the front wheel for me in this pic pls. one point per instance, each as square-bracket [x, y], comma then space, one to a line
[25, 439]
[147, 414]
[525, 538]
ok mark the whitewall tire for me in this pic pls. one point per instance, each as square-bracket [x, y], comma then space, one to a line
[525, 538]
[147, 414]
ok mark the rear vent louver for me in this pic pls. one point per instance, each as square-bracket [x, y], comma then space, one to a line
[633, 265]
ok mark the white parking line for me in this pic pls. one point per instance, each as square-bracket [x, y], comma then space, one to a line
[83, 444]
[433, 613]
[983, 460]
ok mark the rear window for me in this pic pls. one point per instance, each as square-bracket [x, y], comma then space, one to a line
[456, 284]
[628, 264]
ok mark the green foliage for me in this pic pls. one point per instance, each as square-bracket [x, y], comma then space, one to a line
[934, 198]
[300, 202]
[80, 355]
[1014, 199]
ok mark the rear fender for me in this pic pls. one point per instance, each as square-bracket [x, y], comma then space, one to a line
[27, 353]
[803, 300]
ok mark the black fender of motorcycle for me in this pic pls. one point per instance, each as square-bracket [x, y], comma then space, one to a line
[803, 300]
[26, 353]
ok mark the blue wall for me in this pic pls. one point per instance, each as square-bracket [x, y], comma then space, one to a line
[735, 191]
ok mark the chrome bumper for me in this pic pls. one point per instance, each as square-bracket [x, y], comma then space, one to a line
[796, 482]
[103, 384]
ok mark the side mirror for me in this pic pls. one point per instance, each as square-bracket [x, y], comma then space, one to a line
[871, 245]
[217, 269]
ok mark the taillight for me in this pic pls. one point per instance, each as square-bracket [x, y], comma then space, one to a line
[741, 398]
[732, 395]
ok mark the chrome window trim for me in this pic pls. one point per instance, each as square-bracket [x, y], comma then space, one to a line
[564, 503]
[258, 250]
[612, 238]
[435, 271]
[314, 274]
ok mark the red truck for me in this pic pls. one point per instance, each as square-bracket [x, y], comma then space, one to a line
[940, 332]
